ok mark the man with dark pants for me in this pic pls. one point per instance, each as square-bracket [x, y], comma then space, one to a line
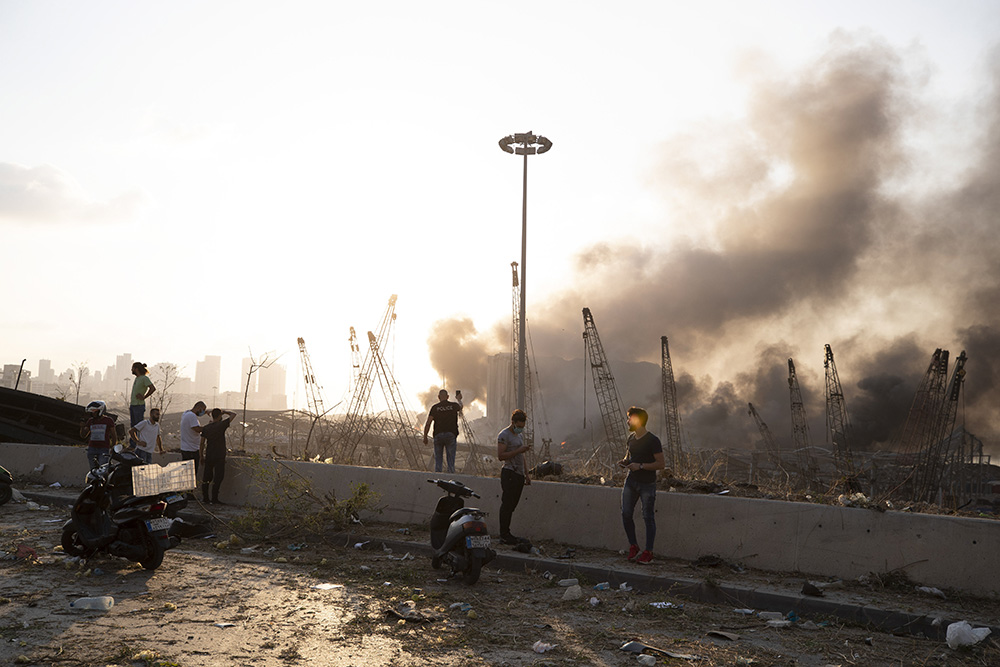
[644, 458]
[514, 474]
[191, 435]
[213, 453]
[444, 414]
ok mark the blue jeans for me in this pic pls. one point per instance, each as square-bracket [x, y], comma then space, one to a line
[632, 492]
[98, 456]
[445, 442]
[144, 456]
[136, 413]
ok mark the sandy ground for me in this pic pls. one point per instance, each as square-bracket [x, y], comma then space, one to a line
[213, 602]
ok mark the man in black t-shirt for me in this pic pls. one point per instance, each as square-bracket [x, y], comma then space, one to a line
[645, 457]
[444, 414]
[213, 454]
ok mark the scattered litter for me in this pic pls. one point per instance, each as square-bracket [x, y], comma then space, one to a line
[635, 646]
[98, 571]
[542, 647]
[327, 587]
[386, 549]
[568, 582]
[24, 552]
[248, 550]
[745, 612]
[962, 634]
[365, 568]
[39, 468]
[594, 601]
[407, 611]
[54, 521]
[224, 625]
[723, 492]
[603, 586]
[731, 636]
[442, 581]
[280, 559]
[297, 547]
[548, 575]
[360, 545]
[808, 625]
[771, 616]
[32, 505]
[830, 585]
[937, 592]
[387, 583]
[461, 606]
[778, 624]
[271, 550]
[102, 602]
[472, 614]
[573, 593]
[666, 605]
[646, 660]
[811, 589]
[624, 586]
[406, 556]
[535, 551]
[55, 485]
[569, 553]
[403, 531]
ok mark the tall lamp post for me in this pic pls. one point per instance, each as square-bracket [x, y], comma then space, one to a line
[525, 144]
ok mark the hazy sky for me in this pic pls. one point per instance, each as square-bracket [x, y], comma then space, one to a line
[184, 179]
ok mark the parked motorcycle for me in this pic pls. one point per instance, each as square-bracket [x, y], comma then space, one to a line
[459, 535]
[6, 479]
[108, 518]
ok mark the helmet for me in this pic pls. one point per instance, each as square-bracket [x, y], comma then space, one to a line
[97, 406]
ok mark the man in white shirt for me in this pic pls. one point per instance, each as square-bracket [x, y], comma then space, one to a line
[146, 435]
[191, 434]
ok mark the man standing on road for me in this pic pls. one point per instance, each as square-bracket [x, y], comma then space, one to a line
[142, 388]
[213, 454]
[514, 474]
[644, 458]
[147, 434]
[444, 414]
[99, 429]
[191, 435]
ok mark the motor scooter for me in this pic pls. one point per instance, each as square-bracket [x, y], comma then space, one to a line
[107, 517]
[459, 535]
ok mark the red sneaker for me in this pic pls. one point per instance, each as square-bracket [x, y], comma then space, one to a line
[646, 557]
[633, 551]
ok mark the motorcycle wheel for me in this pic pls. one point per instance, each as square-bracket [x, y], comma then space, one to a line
[71, 544]
[154, 553]
[471, 574]
[5, 493]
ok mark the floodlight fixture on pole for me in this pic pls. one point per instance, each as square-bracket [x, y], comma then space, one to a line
[524, 143]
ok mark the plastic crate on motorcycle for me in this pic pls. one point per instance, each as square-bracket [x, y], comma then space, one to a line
[151, 480]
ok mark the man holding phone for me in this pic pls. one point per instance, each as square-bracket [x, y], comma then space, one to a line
[644, 458]
[514, 474]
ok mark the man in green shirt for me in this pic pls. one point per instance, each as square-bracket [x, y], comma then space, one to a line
[142, 388]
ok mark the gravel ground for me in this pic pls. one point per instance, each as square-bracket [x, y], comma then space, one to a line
[316, 599]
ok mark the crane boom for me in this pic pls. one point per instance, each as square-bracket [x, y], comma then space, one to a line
[314, 392]
[610, 402]
[838, 424]
[396, 405]
[800, 426]
[671, 416]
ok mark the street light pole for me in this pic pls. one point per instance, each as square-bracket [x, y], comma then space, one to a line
[525, 144]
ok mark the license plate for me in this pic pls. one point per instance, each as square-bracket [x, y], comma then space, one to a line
[174, 498]
[477, 541]
[159, 523]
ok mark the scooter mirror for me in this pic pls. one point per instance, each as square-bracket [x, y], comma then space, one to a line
[118, 449]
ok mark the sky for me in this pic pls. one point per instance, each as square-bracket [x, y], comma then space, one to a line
[754, 180]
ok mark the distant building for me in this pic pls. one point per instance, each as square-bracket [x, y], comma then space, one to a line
[9, 377]
[271, 388]
[207, 374]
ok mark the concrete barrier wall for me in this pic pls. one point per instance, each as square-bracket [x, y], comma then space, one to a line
[816, 540]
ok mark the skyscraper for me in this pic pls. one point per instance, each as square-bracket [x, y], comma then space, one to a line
[207, 374]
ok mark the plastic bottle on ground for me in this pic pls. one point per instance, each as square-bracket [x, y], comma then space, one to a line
[102, 602]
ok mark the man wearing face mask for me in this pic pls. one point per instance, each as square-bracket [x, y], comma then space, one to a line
[514, 474]
[191, 434]
[147, 436]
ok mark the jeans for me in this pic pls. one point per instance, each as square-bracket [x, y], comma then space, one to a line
[632, 492]
[512, 484]
[445, 442]
[136, 413]
[215, 472]
[144, 456]
[98, 456]
[191, 456]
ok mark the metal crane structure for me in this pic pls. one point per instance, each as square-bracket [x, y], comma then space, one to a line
[357, 422]
[515, 341]
[405, 430]
[770, 445]
[938, 453]
[800, 429]
[838, 424]
[674, 450]
[920, 428]
[355, 359]
[474, 464]
[612, 412]
[314, 397]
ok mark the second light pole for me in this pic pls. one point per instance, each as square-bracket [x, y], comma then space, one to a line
[525, 143]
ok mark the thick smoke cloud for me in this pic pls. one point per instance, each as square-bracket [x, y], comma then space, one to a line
[804, 233]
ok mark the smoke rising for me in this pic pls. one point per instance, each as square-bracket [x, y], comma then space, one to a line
[806, 232]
